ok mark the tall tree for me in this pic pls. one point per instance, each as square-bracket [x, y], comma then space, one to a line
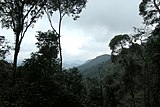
[118, 43]
[74, 87]
[142, 35]
[64, 7]
[124, 48]
[19, 15]
[44, 63]
[153, 51]
[150, 11]
[112, 86]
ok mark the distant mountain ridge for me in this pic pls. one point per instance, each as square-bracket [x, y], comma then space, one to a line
[94, 62]
[66, 65]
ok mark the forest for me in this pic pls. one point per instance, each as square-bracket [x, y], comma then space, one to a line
[130, 78]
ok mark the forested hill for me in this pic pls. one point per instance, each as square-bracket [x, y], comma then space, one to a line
[93, 63]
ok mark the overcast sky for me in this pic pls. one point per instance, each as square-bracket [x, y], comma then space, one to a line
[88, 36]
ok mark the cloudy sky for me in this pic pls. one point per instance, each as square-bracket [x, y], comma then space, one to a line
[88, 36]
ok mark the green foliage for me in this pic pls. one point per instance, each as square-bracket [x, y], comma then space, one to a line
[118, 43]
[103, 88]
[15, 14]
[149, 10]
[41, 83]
[66, 7]
[5, 73]
[19, 15]
[4, 47]
[74, 81]
[131, 80]
[47, 44]
[74, 87]
[139, 56]
[43, 63]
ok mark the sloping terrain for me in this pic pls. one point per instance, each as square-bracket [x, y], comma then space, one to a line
[94, 65]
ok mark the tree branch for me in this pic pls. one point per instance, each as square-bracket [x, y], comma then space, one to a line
[32, 19]
[49, 19]
[156, 6]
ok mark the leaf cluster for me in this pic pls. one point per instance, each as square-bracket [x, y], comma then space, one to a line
[4, 47]
[149, 10]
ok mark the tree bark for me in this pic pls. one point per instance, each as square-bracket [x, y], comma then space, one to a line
[59, 42]
[59, 39]
[17, 48]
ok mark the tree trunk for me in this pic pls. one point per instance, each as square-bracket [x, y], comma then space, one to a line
[59, 39]
[133, 99]
[16, 51]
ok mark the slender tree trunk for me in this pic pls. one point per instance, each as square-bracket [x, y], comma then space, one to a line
[133, 98]
[14, 67]
[59, 32]
[16, 51]
[59, 42]
[59, 39]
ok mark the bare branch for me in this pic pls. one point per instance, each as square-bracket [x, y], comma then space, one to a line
[31, 22]
[50, 21]
[156, 6]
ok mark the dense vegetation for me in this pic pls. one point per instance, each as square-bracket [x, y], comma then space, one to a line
[130, 79]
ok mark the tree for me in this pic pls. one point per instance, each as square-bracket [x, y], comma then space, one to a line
[64, 7]
[153, 51]
[36, 83]
[118, 43]
[112, 86]
[74, 88]
[19, 15]
[142, 36]
[44, 63]
[126, 55]
[150, 11]
[94, 93]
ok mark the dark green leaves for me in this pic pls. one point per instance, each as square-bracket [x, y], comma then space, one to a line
[149, 11]
[4, 47]
[119, 42]
[67, 7]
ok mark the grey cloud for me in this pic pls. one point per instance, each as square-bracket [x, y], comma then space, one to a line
[114, 15]
[103, 19]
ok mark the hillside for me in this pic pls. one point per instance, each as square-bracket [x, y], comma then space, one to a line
[94, 64]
